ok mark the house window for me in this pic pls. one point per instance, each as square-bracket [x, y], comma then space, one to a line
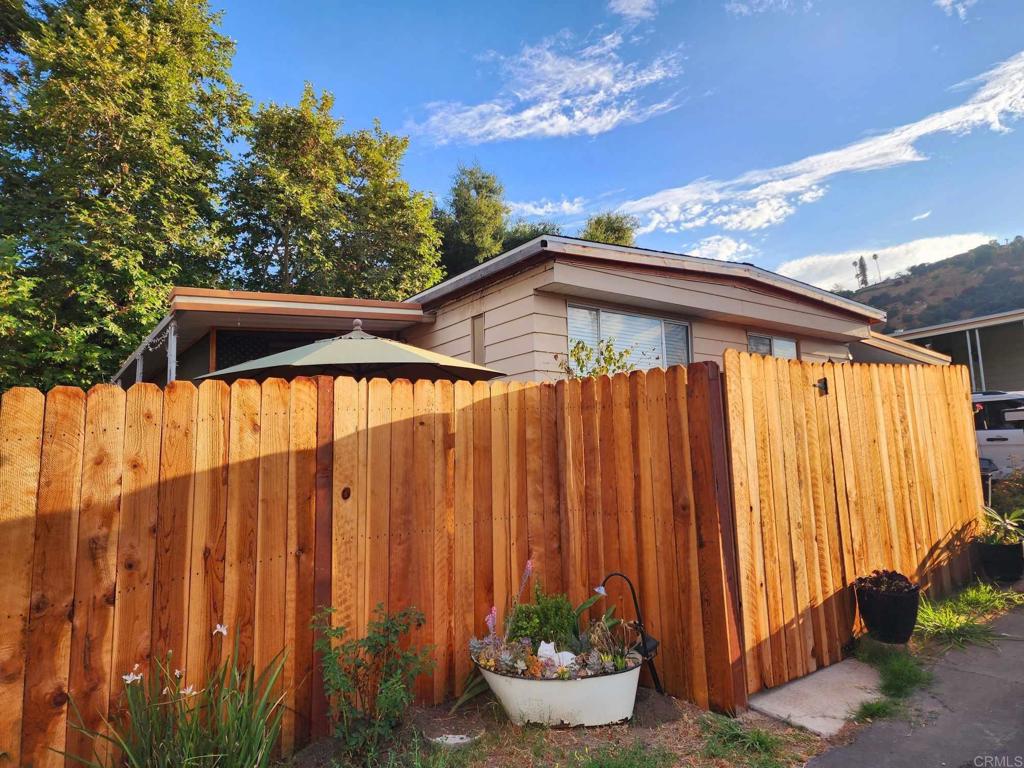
[653, 341]
[778, 346]
[477, 338]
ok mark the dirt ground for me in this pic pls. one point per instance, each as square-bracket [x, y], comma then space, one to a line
[658, 721]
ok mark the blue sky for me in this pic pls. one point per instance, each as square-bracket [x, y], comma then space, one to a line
[794, 134]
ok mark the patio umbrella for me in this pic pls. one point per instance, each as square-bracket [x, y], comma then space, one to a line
[360, 355]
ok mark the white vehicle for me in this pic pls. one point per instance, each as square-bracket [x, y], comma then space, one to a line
[999, 425]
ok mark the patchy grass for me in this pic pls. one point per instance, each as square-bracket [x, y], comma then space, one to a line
[961, 620]
[731, 740]
[636, 756]
[900, 671]
[878, 709]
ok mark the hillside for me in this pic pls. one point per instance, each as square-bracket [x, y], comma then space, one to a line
[982, 281]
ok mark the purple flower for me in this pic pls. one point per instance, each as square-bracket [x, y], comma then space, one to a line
[492, 619]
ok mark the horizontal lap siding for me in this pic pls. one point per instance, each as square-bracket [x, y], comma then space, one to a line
[879, 472]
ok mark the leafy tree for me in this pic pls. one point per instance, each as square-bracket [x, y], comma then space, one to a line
[112, 133]
[521, 231]
[584, 360]
[472, 225]
[312, 209]
[611, 228]
[391, 248]
[283, 197]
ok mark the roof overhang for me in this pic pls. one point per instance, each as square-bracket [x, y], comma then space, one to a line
[984, 321]
[551, 245]
[911, 352]
[195, 311]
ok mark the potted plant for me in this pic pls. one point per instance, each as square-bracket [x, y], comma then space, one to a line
[1000, 547]
[547, 667]
[888, 603]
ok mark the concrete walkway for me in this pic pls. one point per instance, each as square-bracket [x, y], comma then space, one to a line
[972, 715]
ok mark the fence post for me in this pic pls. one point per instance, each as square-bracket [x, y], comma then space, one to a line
[716, 548]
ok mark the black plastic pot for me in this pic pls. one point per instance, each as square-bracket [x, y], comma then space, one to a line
[1001, 562]
[889, 616]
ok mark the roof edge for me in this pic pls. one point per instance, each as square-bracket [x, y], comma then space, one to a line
[559, 244]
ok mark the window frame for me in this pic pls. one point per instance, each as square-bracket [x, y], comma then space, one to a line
[662, 319]
[771, 342]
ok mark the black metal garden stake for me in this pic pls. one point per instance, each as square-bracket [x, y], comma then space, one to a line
[648, 644]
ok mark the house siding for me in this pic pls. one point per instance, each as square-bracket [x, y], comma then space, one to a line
[526, 329]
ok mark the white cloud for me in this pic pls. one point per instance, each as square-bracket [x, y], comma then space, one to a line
[830, 269]
[634, 10]
[959, 7]
[765, 197]
[545, 207]
[723, 248]
[557, 88]
[922, 216]
[750, 7]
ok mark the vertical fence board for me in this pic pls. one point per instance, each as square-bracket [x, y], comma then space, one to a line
[38, 589]
[272, 525]
[242, 518]
[323, 555]
[400, 520]
[136, 542]
[421, 550]
[347, 481]
[174, 526]
[444, 538]
[299, 581]
[209, 547]
[502, 488]
[463, 562]
[92, 630]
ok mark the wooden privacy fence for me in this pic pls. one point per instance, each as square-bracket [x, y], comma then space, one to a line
[133, 523]
[838, 470]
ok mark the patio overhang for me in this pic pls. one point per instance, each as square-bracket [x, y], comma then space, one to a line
[193, 313]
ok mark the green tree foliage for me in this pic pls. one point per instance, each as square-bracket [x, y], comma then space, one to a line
[521, 231]
[313, 209]
[111, 137]
[611, 228]
[584, 360]
[472, 224]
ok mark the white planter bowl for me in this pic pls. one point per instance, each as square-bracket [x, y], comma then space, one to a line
[586, 701]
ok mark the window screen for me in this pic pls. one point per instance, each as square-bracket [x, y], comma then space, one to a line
[654, 342]
[784, 348]
[677, 344]
[759, 345]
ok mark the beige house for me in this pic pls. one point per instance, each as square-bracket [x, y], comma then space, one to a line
[517, 313]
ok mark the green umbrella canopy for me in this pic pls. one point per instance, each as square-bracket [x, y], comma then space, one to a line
[357, 354]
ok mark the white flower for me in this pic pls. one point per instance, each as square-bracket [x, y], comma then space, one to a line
[132, 677]
[165, 691]
[221, 629]
[601, 590]
[189, 690]
[179, 673]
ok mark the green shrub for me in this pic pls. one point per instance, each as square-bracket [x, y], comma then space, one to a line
[549, 618]
[233, 721]
[369, 680]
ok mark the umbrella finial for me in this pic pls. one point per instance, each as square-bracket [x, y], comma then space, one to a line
[357, 324]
